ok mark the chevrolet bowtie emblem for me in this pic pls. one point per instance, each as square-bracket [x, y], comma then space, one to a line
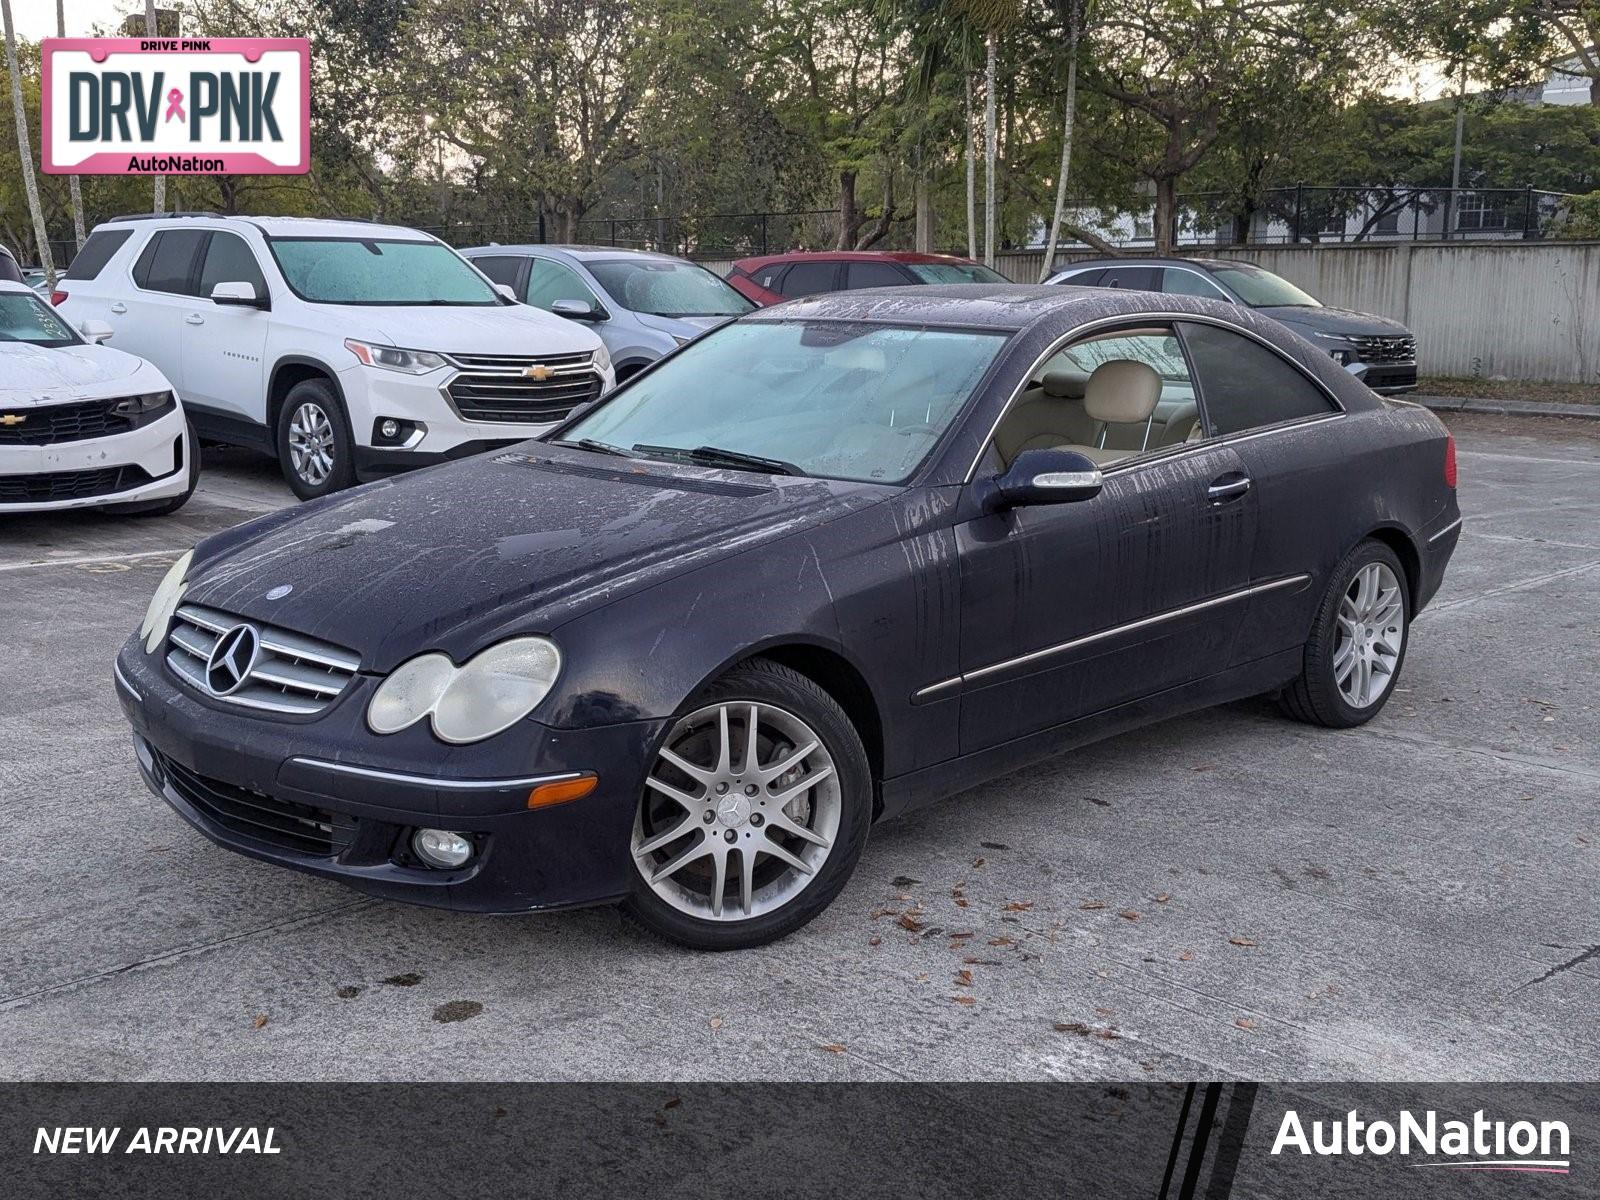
[9, 419]
[538, 371]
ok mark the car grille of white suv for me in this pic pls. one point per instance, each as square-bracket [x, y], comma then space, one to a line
[521, 388]
[288, 673]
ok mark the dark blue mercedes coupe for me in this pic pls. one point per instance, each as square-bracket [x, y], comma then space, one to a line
[833, 560]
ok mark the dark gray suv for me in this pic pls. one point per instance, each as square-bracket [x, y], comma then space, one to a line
[1380, 352]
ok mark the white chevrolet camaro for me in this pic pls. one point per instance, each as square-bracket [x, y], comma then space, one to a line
[83, 425]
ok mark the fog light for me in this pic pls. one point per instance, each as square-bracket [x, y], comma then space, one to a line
[390, 428]
[1343, 357]
[441, 848]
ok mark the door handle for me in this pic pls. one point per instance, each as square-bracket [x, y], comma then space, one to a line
[1228, 487]
[194, 319]
[118, 307]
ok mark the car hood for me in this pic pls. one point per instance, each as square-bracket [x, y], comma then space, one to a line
[470, 329]
[1335, 320]
[37, 374]
[458, 556]
[684, 327]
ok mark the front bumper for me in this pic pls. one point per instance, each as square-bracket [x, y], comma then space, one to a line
[127, 468]
[328, 797]
[1390, 379]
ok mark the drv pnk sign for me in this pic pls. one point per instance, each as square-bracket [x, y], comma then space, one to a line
[176, 106]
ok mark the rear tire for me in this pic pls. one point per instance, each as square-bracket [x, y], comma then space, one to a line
[315, 449]
[712, 804]
[1358, 642]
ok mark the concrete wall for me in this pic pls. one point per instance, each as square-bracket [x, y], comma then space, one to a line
[1524, 310]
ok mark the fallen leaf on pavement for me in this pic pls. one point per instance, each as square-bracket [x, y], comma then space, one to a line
[1245, 1023]
[875, 941]
[1002, 941]
[715, 1022]
[1186, 956]
[963, 978]
[1128, 914]
[833, 1047]
[259, 1022]
[1092, 905]
[1163, 898]
[1241, 941]
[1019, 906]
[907, 921]
[965, 999]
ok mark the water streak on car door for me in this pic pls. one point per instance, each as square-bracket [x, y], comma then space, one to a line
[1033, 579]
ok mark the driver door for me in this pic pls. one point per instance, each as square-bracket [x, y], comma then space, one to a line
[223, 344]
[1072, 609]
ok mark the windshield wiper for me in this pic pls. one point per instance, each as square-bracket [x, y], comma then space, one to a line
[713, 456]
[591, 444]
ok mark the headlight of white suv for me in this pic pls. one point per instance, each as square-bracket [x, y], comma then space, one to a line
[494, 690]
[602, 358]
[153, 629]
[393, 358]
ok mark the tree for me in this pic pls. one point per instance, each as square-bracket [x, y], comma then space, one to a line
[25, 148]
[151, 30]
[1073, 15]
[1573, 28]
[73, 187]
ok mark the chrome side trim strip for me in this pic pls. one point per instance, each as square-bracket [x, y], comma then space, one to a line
[453, 785]
[1114, 631]
[116, 671]
[1448, 529]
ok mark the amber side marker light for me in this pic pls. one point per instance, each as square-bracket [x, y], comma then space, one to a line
[547, 794]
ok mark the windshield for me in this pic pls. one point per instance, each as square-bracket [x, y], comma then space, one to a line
[25, 318]
[1263, 289]
[835, 399]
[955, 273]
[668, 289]
[354, 271]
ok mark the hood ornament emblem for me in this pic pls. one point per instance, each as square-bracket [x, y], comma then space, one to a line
[9, 419]
[279, 592]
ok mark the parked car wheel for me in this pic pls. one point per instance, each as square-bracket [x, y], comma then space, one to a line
[740, 839]
[314, 442]
[1358, 643]
[161, 508]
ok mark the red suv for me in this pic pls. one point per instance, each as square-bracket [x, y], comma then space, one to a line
[775, 277]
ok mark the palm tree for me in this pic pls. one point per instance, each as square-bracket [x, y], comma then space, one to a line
[150, 31]
[1075, 14]
[993, 17]
[25, 149]
[73, 184]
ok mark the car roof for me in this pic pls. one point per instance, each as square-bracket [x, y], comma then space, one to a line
[1156, 260]
[11, 285]
[900, 256]
[574, 252]
[1009, 306]
[285, 227]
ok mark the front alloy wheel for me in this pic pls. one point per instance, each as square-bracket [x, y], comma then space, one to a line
[753, 813]
[313, 440]
[311, 444]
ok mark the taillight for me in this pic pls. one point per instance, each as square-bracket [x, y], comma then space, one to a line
[1449, 461]
[57, 296]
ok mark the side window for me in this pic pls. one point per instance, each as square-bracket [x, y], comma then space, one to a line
[9, 271]
[502, 268]
[1179, 281]
[809, 278]
[1141, 279]
[229, 260]
[97, 252]
[1089, 278]
[767, 277]
[873, 274]
[550, 281]
[167, 261]
[1145, 403]
[1245, 385]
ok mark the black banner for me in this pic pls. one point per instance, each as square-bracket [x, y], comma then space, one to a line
[1162, 1141]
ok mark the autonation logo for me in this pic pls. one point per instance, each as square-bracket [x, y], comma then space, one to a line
[1476, 1145]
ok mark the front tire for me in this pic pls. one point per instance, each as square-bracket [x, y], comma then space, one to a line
[315, 449]
[739, 841]
[1358, 642]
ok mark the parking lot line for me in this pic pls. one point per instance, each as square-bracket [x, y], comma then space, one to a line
[88, 559]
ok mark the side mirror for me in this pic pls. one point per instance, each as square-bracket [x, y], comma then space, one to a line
[507, 292]
[1043, 477]
[238, 294]
[96, 332]
[576, 310]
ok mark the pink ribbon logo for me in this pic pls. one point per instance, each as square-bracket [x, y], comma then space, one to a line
[175, 105]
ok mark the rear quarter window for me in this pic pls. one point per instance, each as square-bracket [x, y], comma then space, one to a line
[97, 252]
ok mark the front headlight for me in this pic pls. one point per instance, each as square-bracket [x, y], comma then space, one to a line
[602, 358]
[494, 690]
[153, 629]
[393, 358]
[139, 409]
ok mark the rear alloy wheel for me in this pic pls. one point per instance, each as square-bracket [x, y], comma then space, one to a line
[754, 812]
[1358, 643]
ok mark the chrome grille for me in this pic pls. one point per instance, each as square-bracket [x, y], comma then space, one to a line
[291, 674]
[1386, 349]
[497, 388]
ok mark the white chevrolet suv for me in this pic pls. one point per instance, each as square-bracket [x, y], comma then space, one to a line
[347, 350]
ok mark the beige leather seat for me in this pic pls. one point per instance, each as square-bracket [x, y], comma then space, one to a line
[1120, 392]
[1049, 414]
